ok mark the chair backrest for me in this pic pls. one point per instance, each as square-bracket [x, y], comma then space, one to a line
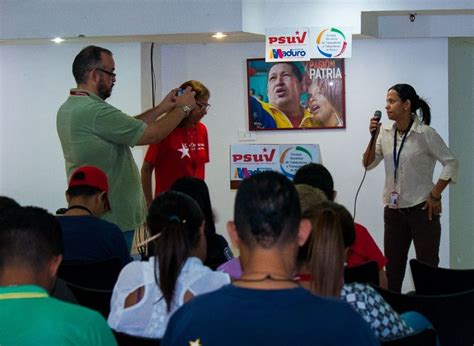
[364, 273]
[426, 337]
[132, 340]
[451, 314]
[434, 280]
[99, 275]
[92, 283]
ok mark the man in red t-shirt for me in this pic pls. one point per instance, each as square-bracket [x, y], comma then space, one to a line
[184, 152]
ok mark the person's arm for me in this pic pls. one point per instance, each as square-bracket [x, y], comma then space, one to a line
[383, 281]
[162, 127]
[146, 172]
[369, 154]
[433, 202]
[441, 152]
[166, 105]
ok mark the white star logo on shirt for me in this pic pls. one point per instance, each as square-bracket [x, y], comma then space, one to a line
[184, 151]
[195, 343]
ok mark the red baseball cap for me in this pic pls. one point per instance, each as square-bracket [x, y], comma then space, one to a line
[90, 176]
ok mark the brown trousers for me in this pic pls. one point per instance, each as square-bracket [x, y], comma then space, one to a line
[401, 227]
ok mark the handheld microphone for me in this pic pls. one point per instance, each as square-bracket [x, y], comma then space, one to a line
[377, 116]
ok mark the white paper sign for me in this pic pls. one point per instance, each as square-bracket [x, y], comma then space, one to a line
[248, 159]
[287, 44]
[330, 42]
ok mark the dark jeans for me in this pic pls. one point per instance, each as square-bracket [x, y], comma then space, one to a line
[401, 227]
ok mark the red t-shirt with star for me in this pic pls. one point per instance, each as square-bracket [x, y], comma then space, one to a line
[183, 153]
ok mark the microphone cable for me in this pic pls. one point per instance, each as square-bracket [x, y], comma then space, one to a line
[358, 190]
[378, 115]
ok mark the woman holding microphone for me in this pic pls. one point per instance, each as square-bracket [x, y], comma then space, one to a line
[410, 149]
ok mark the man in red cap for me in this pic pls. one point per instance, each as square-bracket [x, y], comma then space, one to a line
[86, 237]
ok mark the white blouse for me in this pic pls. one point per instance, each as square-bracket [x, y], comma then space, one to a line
[422, 149]
[149, 317]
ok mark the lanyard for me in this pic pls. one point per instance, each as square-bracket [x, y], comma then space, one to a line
[396, 156]
[78, 93]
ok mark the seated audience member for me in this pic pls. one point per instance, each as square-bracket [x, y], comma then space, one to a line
[309, 196]
[364, 249]
[7, 202]
[323, 270]
[30, 253]
[218, 250]
[86, 237]
[147, 293]
[60, 290]
[266, 306]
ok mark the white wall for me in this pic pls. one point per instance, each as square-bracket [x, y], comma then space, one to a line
[375, 66]
[35, 81]
[70, 18]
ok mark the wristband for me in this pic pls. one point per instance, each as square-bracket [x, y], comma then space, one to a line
[433, 198]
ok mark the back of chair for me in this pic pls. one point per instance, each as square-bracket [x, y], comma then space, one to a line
[434, 280]
[451, 315]
[101, 275]
[92, 283]
[364, 273]
[426, 337]
[131, 340]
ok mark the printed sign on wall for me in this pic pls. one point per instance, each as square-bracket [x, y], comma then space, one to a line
[303, 44]
[248, 159]
[331, 42]
[287, 44]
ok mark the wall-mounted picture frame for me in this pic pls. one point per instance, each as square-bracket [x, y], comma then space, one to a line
[296, 95]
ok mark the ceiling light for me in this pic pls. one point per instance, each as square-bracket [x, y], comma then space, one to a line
[57, 40]
[219, 35]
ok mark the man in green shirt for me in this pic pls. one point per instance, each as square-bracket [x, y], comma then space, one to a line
[94, 133]
[30, 253]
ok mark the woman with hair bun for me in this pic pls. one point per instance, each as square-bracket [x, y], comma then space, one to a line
[147, 293]
[218, 250]
[410, 149]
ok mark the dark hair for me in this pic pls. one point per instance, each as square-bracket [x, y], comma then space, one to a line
[407, 92]
[296, 71]
[198, 190]
[318, 176]
[83, 190]
[7, 202]
[29, 236]
[332, 232]
[199, 89]
[177, 218]
[87, 59]
[267, 210]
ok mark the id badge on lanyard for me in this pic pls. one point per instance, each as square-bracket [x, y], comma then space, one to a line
[394, 195]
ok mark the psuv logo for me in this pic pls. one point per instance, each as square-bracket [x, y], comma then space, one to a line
[288, 40]
[285, 47]
[249, 159]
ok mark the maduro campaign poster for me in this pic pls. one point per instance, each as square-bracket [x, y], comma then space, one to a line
[293, 95]
[248, 159]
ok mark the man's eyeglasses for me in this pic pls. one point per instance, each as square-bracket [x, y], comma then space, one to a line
[203, 106]
[110, 73]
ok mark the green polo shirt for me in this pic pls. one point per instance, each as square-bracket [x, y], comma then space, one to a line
[92, 132]
[28, 316]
